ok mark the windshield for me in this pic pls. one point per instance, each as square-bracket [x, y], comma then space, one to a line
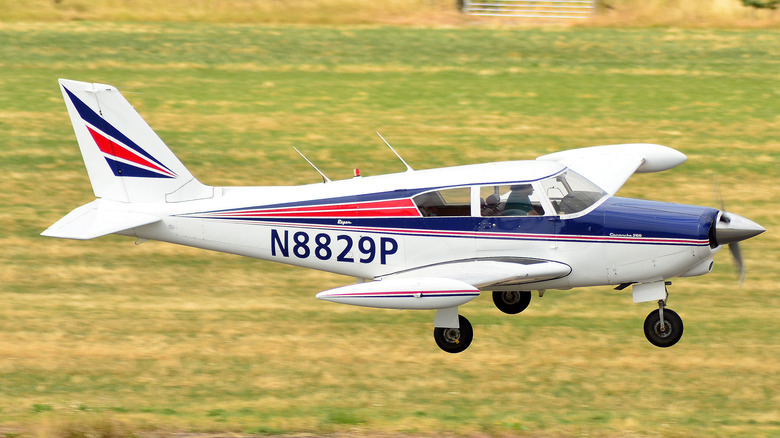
[570, 192]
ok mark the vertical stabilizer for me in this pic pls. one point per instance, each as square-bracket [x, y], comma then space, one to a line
[126, 161]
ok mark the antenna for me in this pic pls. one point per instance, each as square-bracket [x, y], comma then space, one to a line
[324, 178]
[408, 167]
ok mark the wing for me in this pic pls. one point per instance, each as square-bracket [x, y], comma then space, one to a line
[489, 272]
[609, 167]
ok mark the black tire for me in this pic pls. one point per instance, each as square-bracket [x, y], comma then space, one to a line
[667, 335]
[454, 340]
[512, 302]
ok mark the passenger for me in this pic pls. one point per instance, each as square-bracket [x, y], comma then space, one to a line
[491, 207]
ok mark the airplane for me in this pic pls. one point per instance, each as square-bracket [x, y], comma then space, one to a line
[419, 239]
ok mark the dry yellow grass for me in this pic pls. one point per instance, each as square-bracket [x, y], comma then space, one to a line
[297, 11]
[622, 13]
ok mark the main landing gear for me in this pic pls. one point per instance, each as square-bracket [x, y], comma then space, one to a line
[663, 327]
[512, 302]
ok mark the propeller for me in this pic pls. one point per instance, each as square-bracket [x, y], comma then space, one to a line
[731, 229]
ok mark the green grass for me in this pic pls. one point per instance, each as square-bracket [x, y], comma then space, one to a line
[157, 337]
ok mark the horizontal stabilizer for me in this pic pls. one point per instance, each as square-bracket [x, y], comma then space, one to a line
[91, 220]
[485, 273]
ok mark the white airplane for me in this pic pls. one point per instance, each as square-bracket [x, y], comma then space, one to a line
[421, 239]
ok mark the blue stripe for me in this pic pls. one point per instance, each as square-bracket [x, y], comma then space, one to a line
[398, 231]
[123, 169]
[616, 219]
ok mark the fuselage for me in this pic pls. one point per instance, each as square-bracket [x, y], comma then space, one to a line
[369, 227]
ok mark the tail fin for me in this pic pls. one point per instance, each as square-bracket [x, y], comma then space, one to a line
[126, 161]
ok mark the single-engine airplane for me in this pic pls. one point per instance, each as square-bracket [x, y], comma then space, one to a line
[420, 239]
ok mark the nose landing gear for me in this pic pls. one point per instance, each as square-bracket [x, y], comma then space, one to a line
[454, 340]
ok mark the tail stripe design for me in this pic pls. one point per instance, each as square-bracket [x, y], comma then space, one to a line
[128, 157]
[123, 156]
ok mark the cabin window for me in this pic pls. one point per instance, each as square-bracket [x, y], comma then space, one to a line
[447, 202]
[520, 199]
[570, 192]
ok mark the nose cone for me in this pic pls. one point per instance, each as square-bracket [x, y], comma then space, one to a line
[732, 228]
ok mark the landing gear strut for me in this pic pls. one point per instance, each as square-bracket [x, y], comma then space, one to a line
[454, 340]
[663, 327]
[512, 302]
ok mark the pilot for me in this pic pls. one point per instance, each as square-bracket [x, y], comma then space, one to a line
[519, 202]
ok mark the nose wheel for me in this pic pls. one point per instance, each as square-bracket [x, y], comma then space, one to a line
[663, 327]
[454, 340]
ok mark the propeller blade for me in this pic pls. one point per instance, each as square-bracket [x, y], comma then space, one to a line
[717, 194]
[736, 253]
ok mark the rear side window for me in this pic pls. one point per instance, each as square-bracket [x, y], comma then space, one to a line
[447, 202]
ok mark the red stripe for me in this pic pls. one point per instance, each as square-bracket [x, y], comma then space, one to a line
[340, 214]
[400, 292]
[115, 150]
[395, 207]
[394, 203]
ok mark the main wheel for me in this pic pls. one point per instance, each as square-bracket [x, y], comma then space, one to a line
[454, 340]
[512, 302]
[664, 335]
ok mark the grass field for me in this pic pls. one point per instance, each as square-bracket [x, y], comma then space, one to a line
[113, 338]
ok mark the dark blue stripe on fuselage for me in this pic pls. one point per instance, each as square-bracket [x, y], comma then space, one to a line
[614, 219]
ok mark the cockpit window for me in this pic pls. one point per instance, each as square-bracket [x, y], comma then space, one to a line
[510, 200]
[447, 202]
[570, 192]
